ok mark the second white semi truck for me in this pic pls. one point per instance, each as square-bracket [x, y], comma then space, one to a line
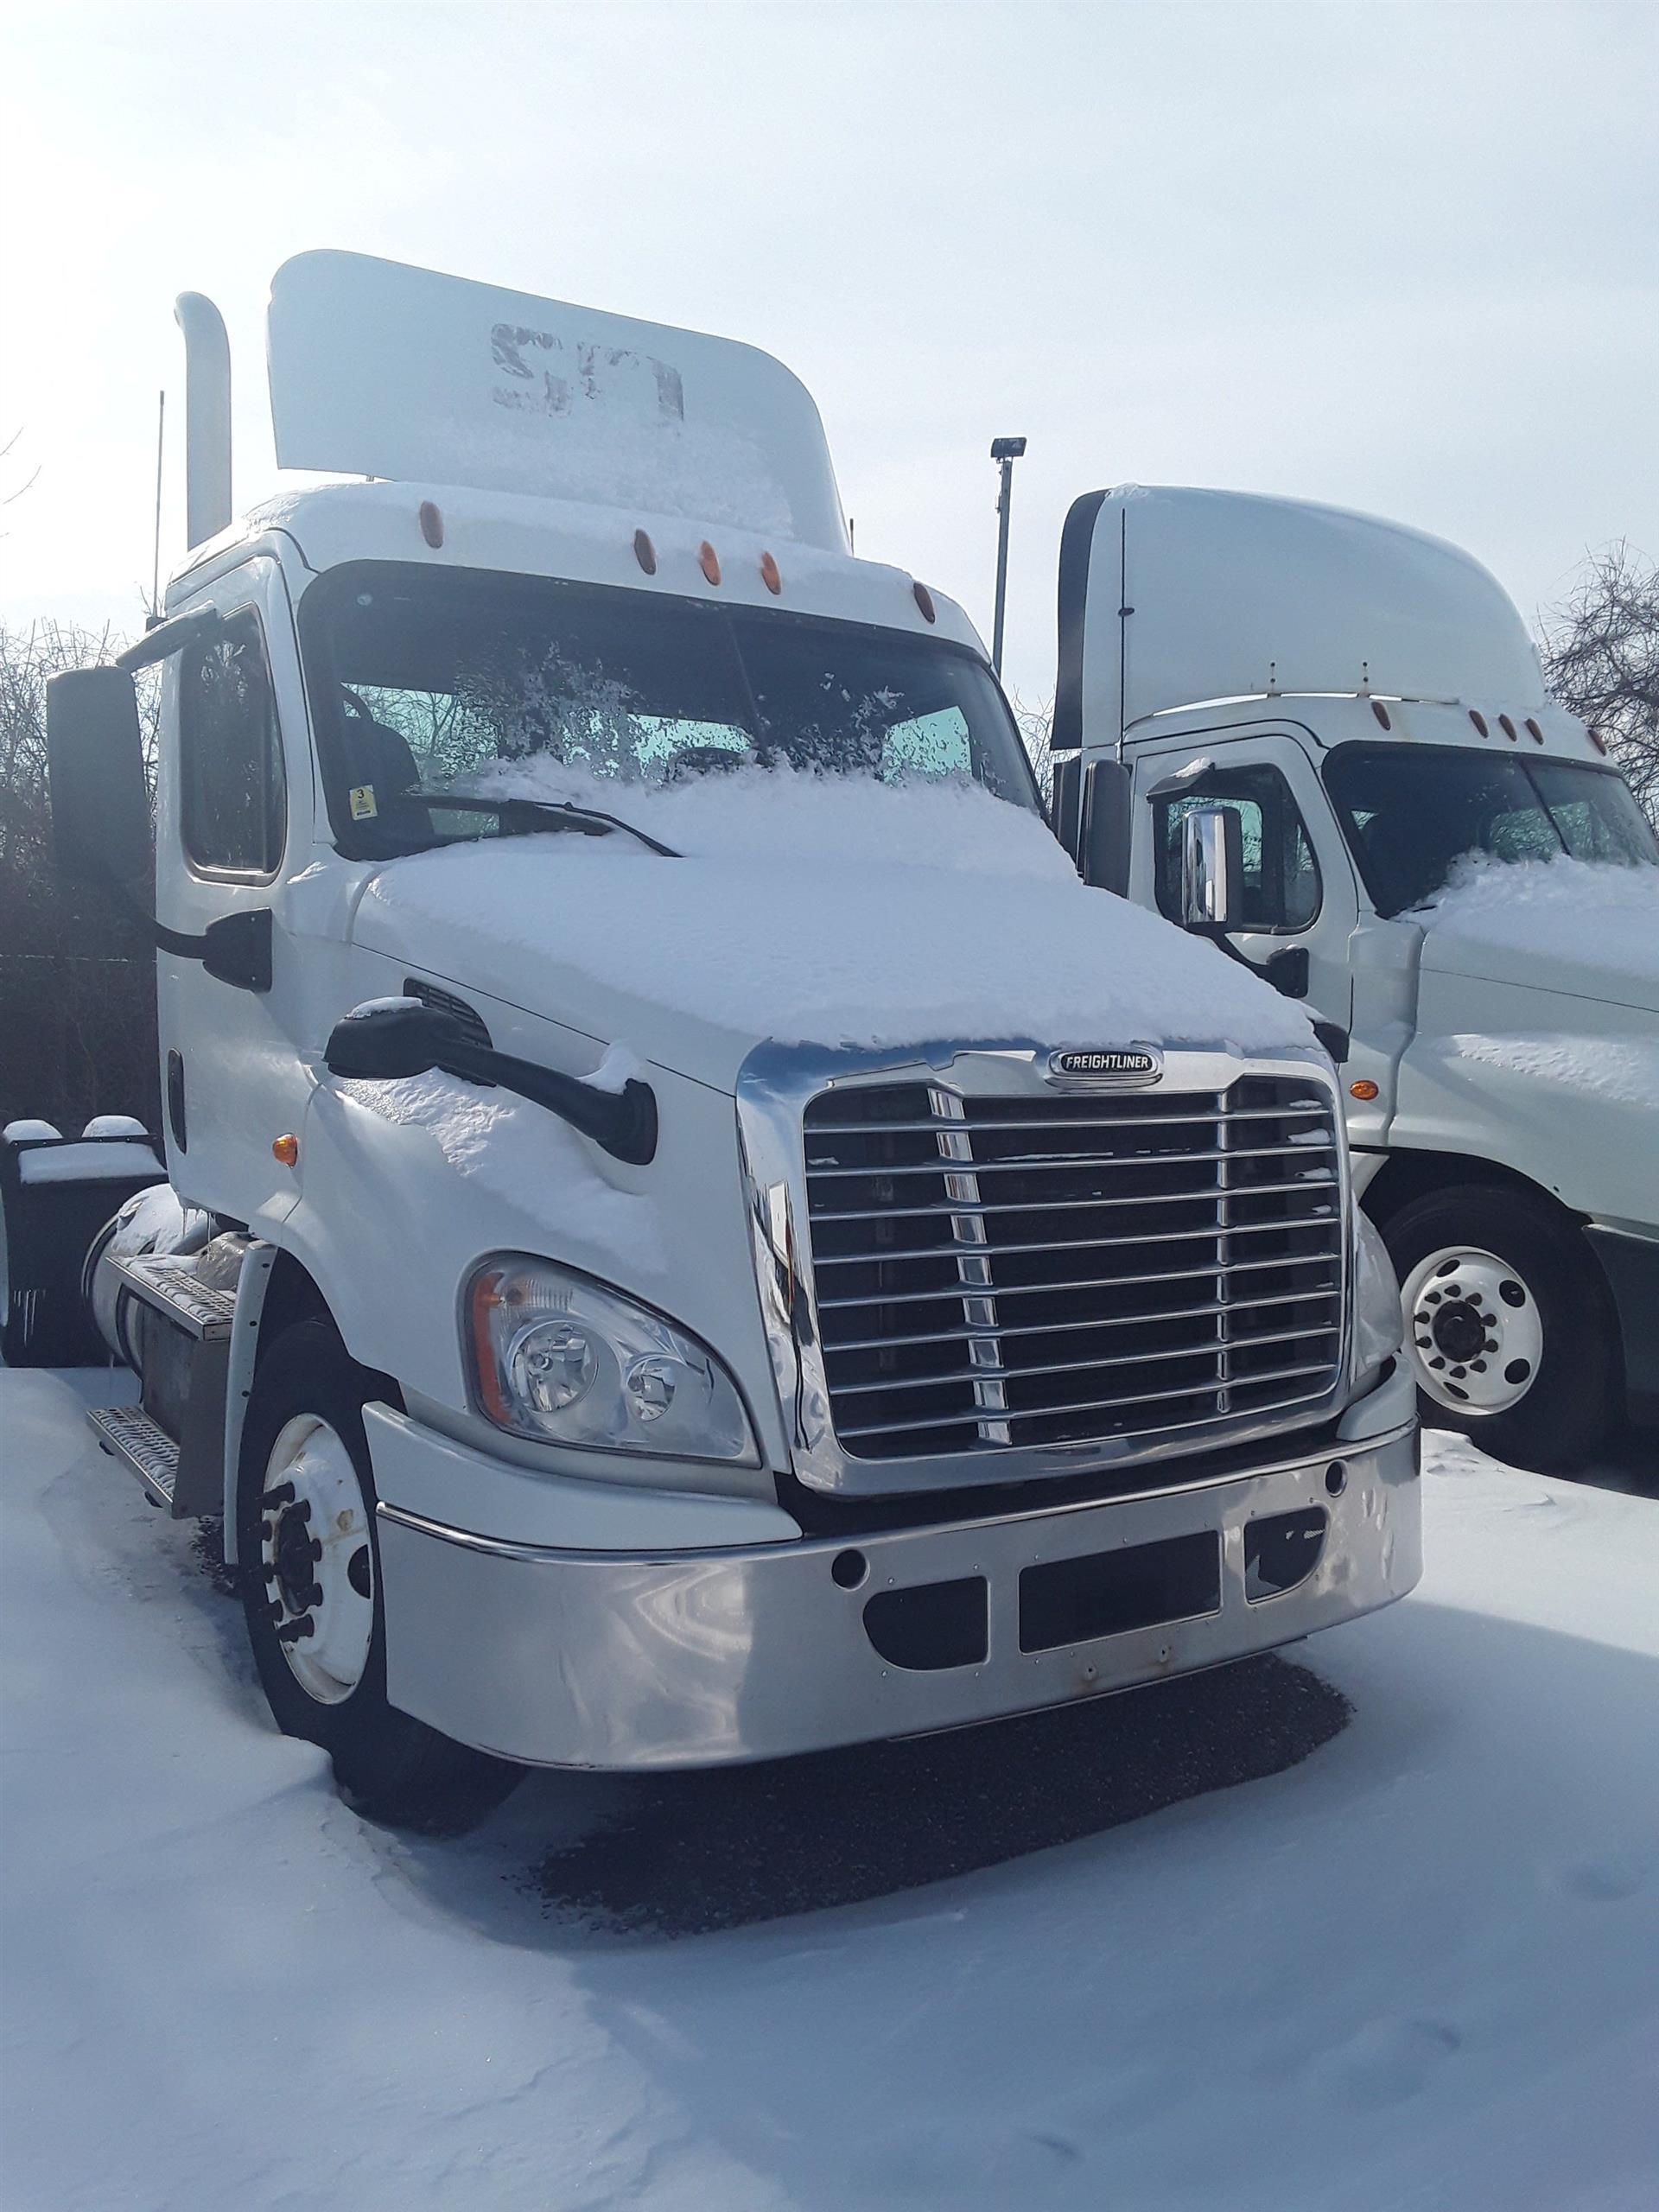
[1406, 832]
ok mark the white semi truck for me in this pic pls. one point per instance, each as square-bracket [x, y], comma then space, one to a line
[708, 1240]
[1353, 717]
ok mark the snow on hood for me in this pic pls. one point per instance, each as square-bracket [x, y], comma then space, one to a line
[832, 911]
[1589, 929]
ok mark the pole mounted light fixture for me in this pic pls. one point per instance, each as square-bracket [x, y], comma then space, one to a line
[1004, 452]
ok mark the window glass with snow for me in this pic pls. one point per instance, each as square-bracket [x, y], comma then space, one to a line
[1414, 816]
[427, 685]
[233, 801]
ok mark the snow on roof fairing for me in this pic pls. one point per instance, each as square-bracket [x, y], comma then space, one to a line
[378, 368]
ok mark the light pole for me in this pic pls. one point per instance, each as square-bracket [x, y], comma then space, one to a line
[1004, 452]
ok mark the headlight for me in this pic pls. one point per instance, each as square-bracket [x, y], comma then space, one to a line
[557, 1356]
[1378, 1329]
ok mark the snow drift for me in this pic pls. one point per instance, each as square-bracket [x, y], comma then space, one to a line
[822, 910]
[1586, 928]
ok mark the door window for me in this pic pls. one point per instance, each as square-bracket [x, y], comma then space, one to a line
[1282, 878]
[233, 805]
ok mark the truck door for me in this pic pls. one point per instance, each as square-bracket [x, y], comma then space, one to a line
[1298, 883]
[231, 1079]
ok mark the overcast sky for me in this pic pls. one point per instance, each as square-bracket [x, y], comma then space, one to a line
[1402, 258]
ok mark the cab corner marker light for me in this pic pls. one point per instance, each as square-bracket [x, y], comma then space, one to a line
[1479, 722]
[708, 562]
[1533, 732]
[1364, 1090]
[431, 523]
[285, 1151]
[1597, 740]
[924, 601]
[645, 552]
[1382, 714]
[769, 575]
[1508, 728]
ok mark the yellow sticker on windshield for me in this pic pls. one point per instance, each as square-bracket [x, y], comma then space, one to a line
[363, 806]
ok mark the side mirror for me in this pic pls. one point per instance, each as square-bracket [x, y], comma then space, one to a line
[1065, 802]
[383, 1044]
[1212, 868]
[1103, 857]
[95, 775]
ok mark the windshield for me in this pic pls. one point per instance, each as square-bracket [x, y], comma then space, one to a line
[1411, 813]
[422, 682]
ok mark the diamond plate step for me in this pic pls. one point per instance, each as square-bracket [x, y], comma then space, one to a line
[141, 1445]
[171, 1287]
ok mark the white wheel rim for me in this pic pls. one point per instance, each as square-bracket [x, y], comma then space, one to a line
[1473, 1328]
[324, 1627]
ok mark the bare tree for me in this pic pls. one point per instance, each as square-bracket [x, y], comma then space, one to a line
[1035, 724]
[1600, 650]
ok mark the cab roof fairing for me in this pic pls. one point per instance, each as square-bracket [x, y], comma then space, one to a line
[378, 368]
[320, 526]
[1170, 596]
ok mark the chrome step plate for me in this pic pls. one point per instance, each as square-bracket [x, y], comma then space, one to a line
[141, 1445]
[172, 1287]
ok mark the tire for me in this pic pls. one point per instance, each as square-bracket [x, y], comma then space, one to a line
[1508, 1324]
[310, 1566]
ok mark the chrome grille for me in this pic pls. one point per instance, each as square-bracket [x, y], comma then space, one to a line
[997, 1272]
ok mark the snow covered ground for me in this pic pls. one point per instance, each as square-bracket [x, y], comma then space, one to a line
[1415, 1969]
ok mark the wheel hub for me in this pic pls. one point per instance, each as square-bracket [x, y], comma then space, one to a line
[316, 1559]
[1473, 1330]
[1459, 1329]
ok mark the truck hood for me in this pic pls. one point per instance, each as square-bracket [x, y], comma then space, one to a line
[1584, 930]
[830, 911]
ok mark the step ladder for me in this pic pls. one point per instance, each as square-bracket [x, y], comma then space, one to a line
[173, 1440]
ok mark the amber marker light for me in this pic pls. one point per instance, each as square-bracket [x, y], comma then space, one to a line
[1479, 722]
[431, 523]
[924, 601]
[1364, 1090]
[1508, 728]
[708, 562]
[1533, 732]
[285, 1151]
[769, 575]
[645, 552]
[1597, 740]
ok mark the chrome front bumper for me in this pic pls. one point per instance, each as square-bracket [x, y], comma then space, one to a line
[604, 1659]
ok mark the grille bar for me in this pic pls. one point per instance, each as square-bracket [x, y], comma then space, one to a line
[1089, 1366]
[1048, 1162]
[828, 1127]
[1091, 1282]
[1053, 1205]
[1095, 1243]
[959, 1319]
[1102, 1321]
[1097, 1404]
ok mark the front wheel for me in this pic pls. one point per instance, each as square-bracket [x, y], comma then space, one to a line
[310, 1569]
[1508, 1324]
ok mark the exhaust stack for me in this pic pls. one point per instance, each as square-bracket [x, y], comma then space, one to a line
[206, 416]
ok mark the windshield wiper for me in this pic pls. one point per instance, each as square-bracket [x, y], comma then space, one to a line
[564, 814]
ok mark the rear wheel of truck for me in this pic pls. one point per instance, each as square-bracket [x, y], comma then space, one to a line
[1508, 1324]
[310, 1572]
